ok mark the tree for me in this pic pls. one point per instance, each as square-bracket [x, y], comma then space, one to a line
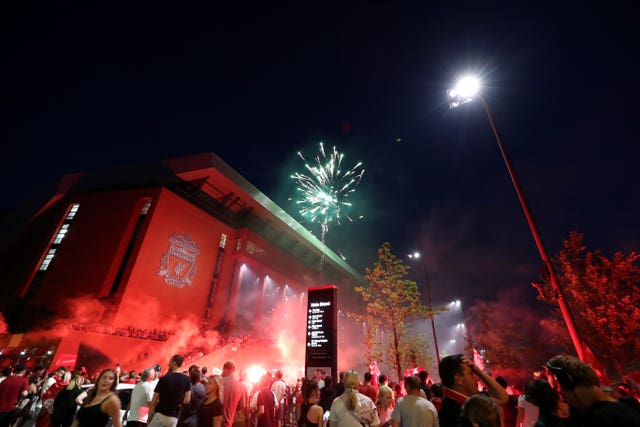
[392, 303]
[513, 337]
[604, 297]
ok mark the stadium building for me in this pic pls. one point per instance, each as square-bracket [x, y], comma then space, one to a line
[120, 262]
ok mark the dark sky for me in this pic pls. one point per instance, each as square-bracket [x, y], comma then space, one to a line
[89, 87]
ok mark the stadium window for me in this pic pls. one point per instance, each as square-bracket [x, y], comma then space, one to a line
[47, 259]
[72, 211]
[61, 233]
[145, 208]
[59, 236]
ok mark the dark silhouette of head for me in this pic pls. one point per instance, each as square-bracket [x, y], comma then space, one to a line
[448, 368]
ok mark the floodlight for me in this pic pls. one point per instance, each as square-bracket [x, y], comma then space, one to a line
[465, 90]
[468, 86]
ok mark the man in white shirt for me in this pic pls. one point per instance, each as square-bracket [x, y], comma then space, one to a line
[413, 410]
[141, 396]
[279, 387]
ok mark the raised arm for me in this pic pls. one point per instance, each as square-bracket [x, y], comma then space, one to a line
[496, 392]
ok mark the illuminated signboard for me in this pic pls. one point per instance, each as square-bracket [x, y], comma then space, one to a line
[322, 338]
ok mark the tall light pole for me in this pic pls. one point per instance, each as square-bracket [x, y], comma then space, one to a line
[428, 293]
[468, 89]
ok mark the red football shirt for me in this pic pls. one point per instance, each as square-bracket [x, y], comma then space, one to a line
[10, 391]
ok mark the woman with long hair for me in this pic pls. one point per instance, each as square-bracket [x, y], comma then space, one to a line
[210, 413]
[385, 404]
[309, 414]
[67, 400]
[101, 403]
[353, 409]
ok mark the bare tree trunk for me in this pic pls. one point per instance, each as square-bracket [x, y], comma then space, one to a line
[396, 354]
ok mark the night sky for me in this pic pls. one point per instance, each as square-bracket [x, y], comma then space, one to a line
[86, 88]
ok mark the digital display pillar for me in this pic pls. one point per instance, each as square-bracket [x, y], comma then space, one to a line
[322, 332]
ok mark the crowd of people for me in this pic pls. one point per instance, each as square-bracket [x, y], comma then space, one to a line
[569, 394]
[131, 332]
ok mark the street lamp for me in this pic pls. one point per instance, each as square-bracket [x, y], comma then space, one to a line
[468, 89]
[428, 293]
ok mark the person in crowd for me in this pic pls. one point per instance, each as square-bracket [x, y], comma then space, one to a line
[171, 393]
[353, 409]
[297, 394]
[424, 375]
[413, 410]
[101, 404]
[12, 389]
[37, 379]
[141, 398]
[509, 409]
[367, 389]
[189, 412]
[266, 415]
[234, 396]
[385, 405]
[26, 407]
[308, 413]
[480, 410]
[397, 389]
[460, 377]
[528, 411]
[52, 386]
[340, 385]
[210, 412]
[132, 378]
[579, 386]
[437, 394]
[327, 394]
[279, 388]
[242, 417]
[56, 377]
[383, 379]
[552, 411]
[319, 378]
[6, 371]
[68, 399]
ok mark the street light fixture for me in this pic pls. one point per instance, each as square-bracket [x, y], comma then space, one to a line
[417, 255]
[468, 89]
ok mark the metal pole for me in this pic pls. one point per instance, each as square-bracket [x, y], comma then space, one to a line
[555, 283]
[428, 292]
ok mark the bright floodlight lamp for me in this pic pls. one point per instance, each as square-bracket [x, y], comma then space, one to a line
[465, 90]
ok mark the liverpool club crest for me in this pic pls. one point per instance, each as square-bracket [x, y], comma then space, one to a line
[178, 264]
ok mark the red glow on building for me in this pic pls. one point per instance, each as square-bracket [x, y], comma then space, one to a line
[130, 265]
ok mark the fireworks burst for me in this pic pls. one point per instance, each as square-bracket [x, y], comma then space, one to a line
[325, 188]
